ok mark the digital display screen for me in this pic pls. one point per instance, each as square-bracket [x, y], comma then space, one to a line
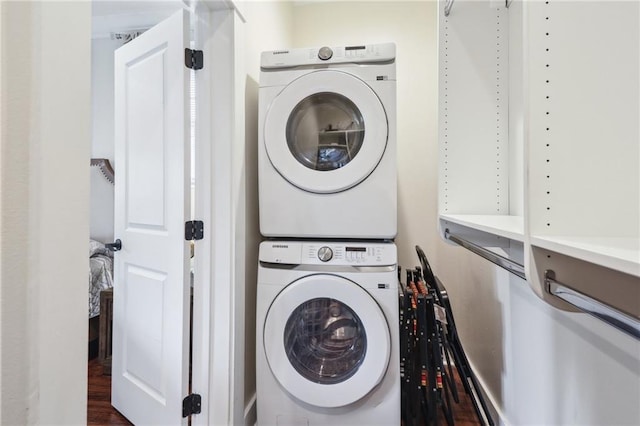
[355, 47]
[355, 248]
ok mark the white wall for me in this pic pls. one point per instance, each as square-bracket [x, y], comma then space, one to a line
[2, 135]
[44, 214]
[540, 365]
[102, 96]
[101, 204]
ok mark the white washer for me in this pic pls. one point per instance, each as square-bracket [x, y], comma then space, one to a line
[327, 327]
[327, 143]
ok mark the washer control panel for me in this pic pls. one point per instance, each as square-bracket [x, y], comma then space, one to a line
[359, 254]
[328, 253]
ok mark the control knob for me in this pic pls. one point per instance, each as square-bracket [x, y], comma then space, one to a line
[325, 53]
[325, 254]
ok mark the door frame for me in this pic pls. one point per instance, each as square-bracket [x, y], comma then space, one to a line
[218, 351]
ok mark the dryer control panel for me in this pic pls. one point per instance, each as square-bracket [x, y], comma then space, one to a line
[328, 253]
[383, 52]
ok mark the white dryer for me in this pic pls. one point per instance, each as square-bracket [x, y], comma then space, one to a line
[327, 142]
[327, 334]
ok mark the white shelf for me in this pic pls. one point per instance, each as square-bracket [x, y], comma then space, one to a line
[619, 254]
[511, 227]
[513, 114]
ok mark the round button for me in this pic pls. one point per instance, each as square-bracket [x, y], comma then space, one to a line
[325, 254]
[325, 53]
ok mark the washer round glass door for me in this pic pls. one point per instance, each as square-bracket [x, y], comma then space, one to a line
[326, 131]
[326, 341]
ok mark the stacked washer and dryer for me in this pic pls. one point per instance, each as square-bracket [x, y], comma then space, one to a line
[327, 334]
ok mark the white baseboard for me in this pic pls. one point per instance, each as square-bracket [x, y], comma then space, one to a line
[494, 407]
[250, 415]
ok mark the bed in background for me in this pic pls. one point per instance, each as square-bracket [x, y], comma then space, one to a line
[100, 258]
[100, 274]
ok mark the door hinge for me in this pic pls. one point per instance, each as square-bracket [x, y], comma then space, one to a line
[192, 404]
[193, 59]
[194, 230]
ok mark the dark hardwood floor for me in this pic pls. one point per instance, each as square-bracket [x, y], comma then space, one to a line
[100, 412]
[463, 413]
[99, 409]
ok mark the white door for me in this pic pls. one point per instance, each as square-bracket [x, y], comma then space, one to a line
[326, 341]
[326, 131]
[151, 287]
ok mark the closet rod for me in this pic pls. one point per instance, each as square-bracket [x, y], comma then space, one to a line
[503, 262]
[591, 306]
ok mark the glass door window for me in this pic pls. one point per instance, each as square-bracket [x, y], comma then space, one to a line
[325, 341]
[317, 339]
[325, 131]
[315, 136]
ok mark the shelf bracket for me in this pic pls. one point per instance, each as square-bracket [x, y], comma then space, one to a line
[503, 262]
[447, 7]
[105, 168]
[591, 306]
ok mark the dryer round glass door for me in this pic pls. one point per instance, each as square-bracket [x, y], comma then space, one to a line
[326, 341]
[326, 131]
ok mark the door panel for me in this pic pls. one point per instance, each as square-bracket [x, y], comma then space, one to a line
[144, 88]
[152, 198]
[143, 328]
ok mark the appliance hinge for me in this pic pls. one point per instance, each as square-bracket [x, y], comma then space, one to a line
[191, 404]
[194, 230]
[193, 59]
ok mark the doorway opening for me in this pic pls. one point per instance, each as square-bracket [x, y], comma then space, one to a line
[114, 25]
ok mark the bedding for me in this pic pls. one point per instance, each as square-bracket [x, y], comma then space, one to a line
[100, 274]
